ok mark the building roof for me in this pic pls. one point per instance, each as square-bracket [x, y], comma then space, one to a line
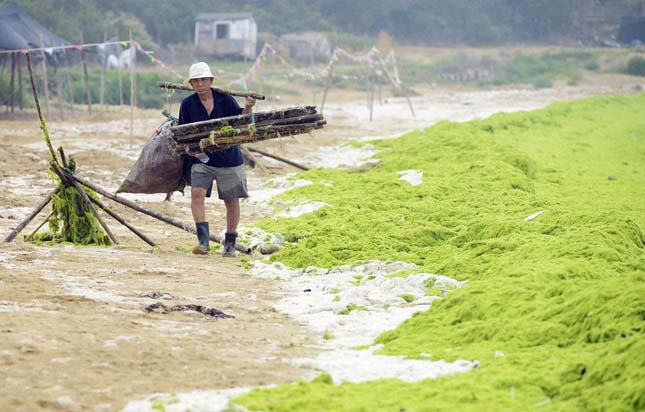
[19, 31]
[224, 16]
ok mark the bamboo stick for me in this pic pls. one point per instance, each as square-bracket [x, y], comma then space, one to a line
[182, 132]
[31, 216]
[122, 221]
[282, 159]
[244, 136]
[31, 235]
[253, 160]
[175, 86]
[45, 80]
[166, 219]
[43, 123]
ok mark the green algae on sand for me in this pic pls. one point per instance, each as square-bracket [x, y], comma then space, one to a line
[554, 308]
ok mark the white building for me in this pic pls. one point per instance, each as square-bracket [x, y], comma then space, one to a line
[226, 34]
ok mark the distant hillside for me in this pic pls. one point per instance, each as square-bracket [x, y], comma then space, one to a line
[474, 22]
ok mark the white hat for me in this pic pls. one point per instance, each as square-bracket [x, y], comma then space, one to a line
[199, 71]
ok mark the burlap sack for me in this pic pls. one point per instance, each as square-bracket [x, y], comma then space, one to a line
[156, 170]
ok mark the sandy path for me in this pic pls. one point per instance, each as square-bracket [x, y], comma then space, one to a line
[74, 335]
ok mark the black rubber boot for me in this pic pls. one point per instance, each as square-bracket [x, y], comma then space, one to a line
[202, 236]
[229, 244]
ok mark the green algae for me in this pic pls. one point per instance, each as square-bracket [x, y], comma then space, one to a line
[72, 221]
[554, 307]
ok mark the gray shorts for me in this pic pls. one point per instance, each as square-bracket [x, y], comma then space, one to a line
[231, 181]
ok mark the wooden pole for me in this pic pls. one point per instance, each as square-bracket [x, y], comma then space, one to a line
[4, 66]
[43, 123]
[407, 96]
[45, 80]
[122, 221]
[103, 64]
[68, 78]
[131, 88]
[119, 75]
[329, 79]
[282, 159]
[175, 86]
[88, 93]
[371, 94]
[31, 216]
[13, 77]
[21, 102]
[59, 94]
[166, 219]
[31, 235]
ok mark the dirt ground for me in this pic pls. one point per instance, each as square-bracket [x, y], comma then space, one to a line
[74, 335]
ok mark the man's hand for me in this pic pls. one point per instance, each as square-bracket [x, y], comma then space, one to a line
[248, 105]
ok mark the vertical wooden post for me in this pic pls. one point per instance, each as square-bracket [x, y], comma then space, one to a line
[119, 76]
[68, 78]
[4, 66]
[103, 64]
[44, 68]
[88, 93]
[13, 78]
[329, 79]
[59, 93]
[131, 87]
[21, 101]
[371, 94]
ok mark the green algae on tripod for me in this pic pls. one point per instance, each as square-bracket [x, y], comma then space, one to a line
[554, 306]
[72, 221]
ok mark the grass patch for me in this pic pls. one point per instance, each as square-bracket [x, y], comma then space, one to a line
[553, 308]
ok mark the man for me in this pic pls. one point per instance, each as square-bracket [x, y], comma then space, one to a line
[225, 167]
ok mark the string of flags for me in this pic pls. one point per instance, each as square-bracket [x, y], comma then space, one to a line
[101, 46]
[372, 59]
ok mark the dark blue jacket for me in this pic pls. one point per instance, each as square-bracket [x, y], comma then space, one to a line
[192, 110]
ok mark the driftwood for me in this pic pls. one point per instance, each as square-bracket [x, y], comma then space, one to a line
[175, 86]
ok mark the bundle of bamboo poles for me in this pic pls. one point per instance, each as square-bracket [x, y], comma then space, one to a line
[226, 132]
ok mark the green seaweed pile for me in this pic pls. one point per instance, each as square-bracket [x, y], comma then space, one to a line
[554, 307]
[71, 219]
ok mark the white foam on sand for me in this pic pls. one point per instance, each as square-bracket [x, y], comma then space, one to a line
[301, 209]
[195, 401]
[350, 306]
[341, 156]
[274, 187]
[414, 177]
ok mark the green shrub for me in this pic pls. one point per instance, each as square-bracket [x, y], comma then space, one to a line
[636, 66]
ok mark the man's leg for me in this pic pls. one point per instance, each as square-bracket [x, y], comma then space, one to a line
[232, 219]
[232, 214]
[197, 204]
[197, 207]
